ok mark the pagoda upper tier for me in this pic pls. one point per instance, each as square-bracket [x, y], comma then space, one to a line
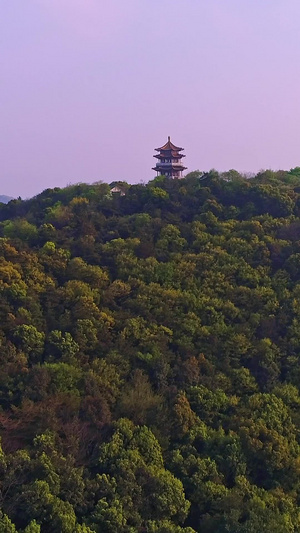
[169, 160]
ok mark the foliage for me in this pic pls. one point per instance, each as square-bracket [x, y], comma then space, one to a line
[149, 348]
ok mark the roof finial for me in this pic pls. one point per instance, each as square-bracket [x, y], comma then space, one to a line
[169, 138]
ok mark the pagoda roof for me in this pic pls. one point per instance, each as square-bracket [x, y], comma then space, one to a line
[174, 155]
[169, 146]
[169, 167]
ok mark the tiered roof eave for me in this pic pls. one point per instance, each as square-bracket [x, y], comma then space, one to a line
[169, 146]
[169, 168]
[171, 155]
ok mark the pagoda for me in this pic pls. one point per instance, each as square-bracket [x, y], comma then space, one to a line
[169, 160]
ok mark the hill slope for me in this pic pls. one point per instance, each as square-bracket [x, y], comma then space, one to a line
[150, 357]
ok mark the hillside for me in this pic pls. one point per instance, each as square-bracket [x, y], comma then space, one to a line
[150, 349]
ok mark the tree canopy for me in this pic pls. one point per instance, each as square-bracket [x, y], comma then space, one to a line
[150, 349]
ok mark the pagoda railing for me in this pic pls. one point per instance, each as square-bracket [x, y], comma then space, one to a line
[164, 164]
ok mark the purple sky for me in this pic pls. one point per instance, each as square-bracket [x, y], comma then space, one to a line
[88, 88]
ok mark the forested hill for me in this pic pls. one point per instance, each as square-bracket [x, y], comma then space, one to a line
[150, 357]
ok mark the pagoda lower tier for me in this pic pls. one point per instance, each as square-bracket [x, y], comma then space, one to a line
[170, 170]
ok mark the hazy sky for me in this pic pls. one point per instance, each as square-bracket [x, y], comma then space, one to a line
[88, 88]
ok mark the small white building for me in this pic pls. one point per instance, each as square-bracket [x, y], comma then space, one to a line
[118, 190]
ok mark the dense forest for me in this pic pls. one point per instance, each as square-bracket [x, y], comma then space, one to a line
[150, 357]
